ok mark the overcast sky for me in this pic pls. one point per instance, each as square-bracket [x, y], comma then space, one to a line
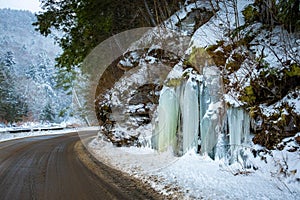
[32, 5]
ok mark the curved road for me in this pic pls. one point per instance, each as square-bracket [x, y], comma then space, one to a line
[47, 167]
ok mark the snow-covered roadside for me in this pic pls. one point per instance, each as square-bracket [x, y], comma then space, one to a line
[31, 129]
[5, 136]
[198, 177]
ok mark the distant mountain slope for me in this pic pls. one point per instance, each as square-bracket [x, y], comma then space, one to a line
[18, 35]
[32, 67]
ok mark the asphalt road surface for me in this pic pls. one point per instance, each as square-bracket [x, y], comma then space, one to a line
[47, 167]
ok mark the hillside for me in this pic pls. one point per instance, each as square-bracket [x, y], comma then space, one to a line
[258, 65]
[214, 91]
[18, 36]
[28, 68]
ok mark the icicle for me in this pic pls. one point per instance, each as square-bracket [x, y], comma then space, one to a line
[204, 102]
[211, 129]
[211, 111]
[179, 136]
[190, 116]
[168, 111]
[222, 147]
[239, 130]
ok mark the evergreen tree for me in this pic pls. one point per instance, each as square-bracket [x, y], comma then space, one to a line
[32, 66]
[86, 23]
[44, 97]
[12, 106]
[47, 114]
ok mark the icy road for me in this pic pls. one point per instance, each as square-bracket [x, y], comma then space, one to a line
[47, 167]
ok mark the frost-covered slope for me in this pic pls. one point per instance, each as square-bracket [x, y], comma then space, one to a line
[28, 59]
[18, 35]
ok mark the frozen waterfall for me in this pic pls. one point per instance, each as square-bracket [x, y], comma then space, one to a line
[168, 111]
[239, 130]
[212, 109]
[192, 115]
[178, 117]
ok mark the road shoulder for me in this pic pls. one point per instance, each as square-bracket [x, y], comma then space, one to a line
[117, 178]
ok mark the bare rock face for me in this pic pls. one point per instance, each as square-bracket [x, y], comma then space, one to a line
[128, 91]
[128, 94]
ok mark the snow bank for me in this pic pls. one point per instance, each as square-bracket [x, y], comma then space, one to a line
[197, 176]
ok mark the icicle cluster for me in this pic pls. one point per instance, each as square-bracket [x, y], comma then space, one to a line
[191, 115]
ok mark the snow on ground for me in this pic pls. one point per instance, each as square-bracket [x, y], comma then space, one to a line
[198, 177]
[217, 27]
[37, 129]
[5, 136]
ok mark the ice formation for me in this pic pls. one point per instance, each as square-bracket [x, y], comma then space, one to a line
[168, 118]
[192, 115]
[239, 130]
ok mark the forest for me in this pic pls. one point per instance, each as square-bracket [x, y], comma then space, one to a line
[28, 75]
